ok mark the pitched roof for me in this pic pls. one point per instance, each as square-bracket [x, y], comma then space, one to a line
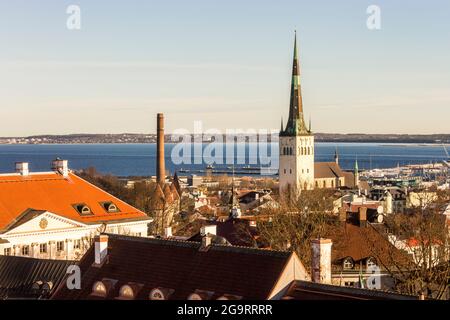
[304, 290]
[57, 194]
[359, 243]
[324, 170]
[18, 274]
[181, 266]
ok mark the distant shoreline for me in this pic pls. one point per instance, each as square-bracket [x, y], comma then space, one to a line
[129, 138]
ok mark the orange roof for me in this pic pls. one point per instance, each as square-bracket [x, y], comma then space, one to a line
[54, 193]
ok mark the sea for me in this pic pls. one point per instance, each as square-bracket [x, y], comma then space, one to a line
[126, 160]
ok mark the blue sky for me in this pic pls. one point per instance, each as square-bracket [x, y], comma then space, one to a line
[227, 63]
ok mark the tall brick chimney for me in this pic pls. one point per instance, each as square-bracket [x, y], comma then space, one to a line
[160, 160]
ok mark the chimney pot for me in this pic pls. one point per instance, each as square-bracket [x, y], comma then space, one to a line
[22, 168]
[101, 249]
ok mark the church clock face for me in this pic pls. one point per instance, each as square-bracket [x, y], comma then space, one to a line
[43, 223]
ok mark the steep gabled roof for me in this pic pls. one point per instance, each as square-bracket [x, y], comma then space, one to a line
[324, 170]
[181, 266]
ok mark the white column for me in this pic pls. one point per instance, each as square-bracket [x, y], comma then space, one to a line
[51, 250]
[69, 249]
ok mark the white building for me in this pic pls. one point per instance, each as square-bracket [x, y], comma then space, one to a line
[55, 215]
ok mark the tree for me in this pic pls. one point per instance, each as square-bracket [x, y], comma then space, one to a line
[296, 222]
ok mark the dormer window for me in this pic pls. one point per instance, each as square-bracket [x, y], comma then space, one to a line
[99, 289]
[83, 209]
[160, 294]
[371, 262]
[348, 263]
[126, 292]
[200, 295]
[109, 207]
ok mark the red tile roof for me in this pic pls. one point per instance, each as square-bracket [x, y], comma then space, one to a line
[57, 194]
[324, 170]
[181, 266]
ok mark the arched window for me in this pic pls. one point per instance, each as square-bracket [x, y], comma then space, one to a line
[99, 289]
[305, 186]
[160, 294]
[324, 183]
[126, 292]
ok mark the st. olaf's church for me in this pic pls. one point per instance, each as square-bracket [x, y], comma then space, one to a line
[297, 169]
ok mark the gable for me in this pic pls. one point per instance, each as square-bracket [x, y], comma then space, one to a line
[41, 221]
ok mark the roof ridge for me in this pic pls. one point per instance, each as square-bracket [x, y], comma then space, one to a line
[196, 244]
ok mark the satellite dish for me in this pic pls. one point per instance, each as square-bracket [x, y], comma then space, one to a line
[380, 218]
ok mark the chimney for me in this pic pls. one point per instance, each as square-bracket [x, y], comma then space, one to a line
[22, 168]
[209, 229]
[362, 216]
[342, 215]
[101, 249]
[61, 166]
[321, 260]
[160, 160]
[167, 232]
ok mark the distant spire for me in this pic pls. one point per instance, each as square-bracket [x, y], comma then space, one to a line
[336, 156]
[282, 126]
[356, 165]
[309, 124]
[296, 122]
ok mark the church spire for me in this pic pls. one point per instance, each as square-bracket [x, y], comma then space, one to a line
[296, 122]
[336, 156]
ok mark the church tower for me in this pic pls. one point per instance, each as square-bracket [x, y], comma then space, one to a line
[296, 171]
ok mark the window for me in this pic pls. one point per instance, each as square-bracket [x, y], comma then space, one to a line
[126, 292]
[349, 283]
[371, 262]
[7, 251]
[82, 209]
[156, 295]
[160, 294]
[99, 289]
[60, 246]
[26, 250]
[348, 263]
[77, 244]
[284, 171]
[43, 248]
[109, 207]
